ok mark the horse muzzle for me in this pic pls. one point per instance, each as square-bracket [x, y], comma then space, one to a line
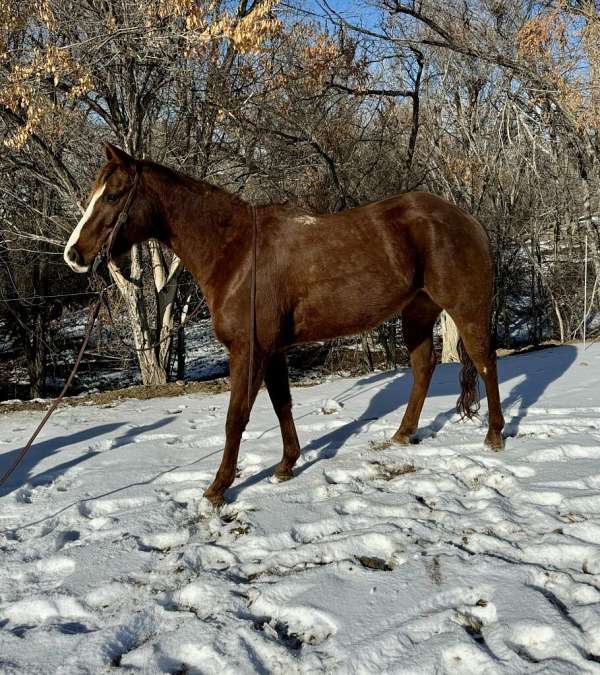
[74, 260]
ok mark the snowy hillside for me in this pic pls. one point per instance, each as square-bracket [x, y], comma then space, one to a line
[440, 557]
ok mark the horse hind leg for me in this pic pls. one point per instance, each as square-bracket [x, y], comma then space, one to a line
[474, 330]
[418, 319]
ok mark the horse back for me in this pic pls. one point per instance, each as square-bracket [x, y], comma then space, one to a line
[347, 272]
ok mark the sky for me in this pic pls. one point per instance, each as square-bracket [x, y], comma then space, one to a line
[355, 12]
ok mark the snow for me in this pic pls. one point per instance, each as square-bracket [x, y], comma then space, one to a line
[439, 557]
[330, 406]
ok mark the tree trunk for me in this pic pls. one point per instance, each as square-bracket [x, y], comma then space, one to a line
[368, 356]
[165, 283]
[153, 346]
[181, 337]
[36, 363]
[132, 292]
[449, 339]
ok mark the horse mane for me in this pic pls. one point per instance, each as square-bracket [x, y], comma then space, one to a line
[195, 185]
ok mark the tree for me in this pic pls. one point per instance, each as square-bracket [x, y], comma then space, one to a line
[493, 105]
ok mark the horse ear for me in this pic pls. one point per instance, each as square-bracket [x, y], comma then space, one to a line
[116, 154]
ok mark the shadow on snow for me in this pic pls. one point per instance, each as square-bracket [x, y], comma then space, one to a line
[532, 373]
[25, 472]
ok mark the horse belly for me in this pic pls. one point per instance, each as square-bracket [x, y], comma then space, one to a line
[332, 309]
[349, 278]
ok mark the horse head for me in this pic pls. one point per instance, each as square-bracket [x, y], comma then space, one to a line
[110, 195]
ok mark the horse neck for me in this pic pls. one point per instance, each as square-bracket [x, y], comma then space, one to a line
[208, 228]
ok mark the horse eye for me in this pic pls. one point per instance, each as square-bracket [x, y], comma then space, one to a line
[112, 198]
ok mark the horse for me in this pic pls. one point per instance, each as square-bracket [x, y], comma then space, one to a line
[277, 275]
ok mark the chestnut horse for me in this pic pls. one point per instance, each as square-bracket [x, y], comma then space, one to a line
[315, 277]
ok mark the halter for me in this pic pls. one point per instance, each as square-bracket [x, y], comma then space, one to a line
[106, 250]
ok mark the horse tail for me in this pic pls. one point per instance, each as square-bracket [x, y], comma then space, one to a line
[468, 403]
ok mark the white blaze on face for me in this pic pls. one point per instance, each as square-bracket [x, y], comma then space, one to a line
[72, 259]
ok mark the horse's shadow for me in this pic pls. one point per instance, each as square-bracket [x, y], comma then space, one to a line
[386, 400]
[532, 375]
[25, 471]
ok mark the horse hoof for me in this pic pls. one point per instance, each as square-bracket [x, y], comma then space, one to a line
[401, 439]
[282, 477]
[283, 474]
[494, 441]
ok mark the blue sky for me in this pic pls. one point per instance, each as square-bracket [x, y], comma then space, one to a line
[355, 12]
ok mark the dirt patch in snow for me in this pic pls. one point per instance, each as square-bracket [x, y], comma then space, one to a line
[140, 392]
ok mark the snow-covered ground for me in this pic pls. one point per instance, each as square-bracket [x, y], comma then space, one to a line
[439, 557]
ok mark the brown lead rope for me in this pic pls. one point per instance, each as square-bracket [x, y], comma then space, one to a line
[88, 332]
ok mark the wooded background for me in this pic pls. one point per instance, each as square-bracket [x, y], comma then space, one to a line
[492, 104]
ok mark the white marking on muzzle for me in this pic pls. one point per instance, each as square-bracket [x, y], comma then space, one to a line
[74, 238]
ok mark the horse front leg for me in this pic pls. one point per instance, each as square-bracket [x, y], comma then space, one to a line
[278, 386]
[241, 400]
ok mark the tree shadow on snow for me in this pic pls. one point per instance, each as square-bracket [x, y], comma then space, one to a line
[384, 400]
[11, 531]
[532, 373]
[25, 471]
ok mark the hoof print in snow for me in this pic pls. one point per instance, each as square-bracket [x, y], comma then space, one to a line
[471, 624]
[377, 446]
[240, 530]
[279, 631]
[65, 538]
[228, 516]
[374, 563]
[293, 637]
[25, 495]
[231, 524]
[290, 624]
[391, 471]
